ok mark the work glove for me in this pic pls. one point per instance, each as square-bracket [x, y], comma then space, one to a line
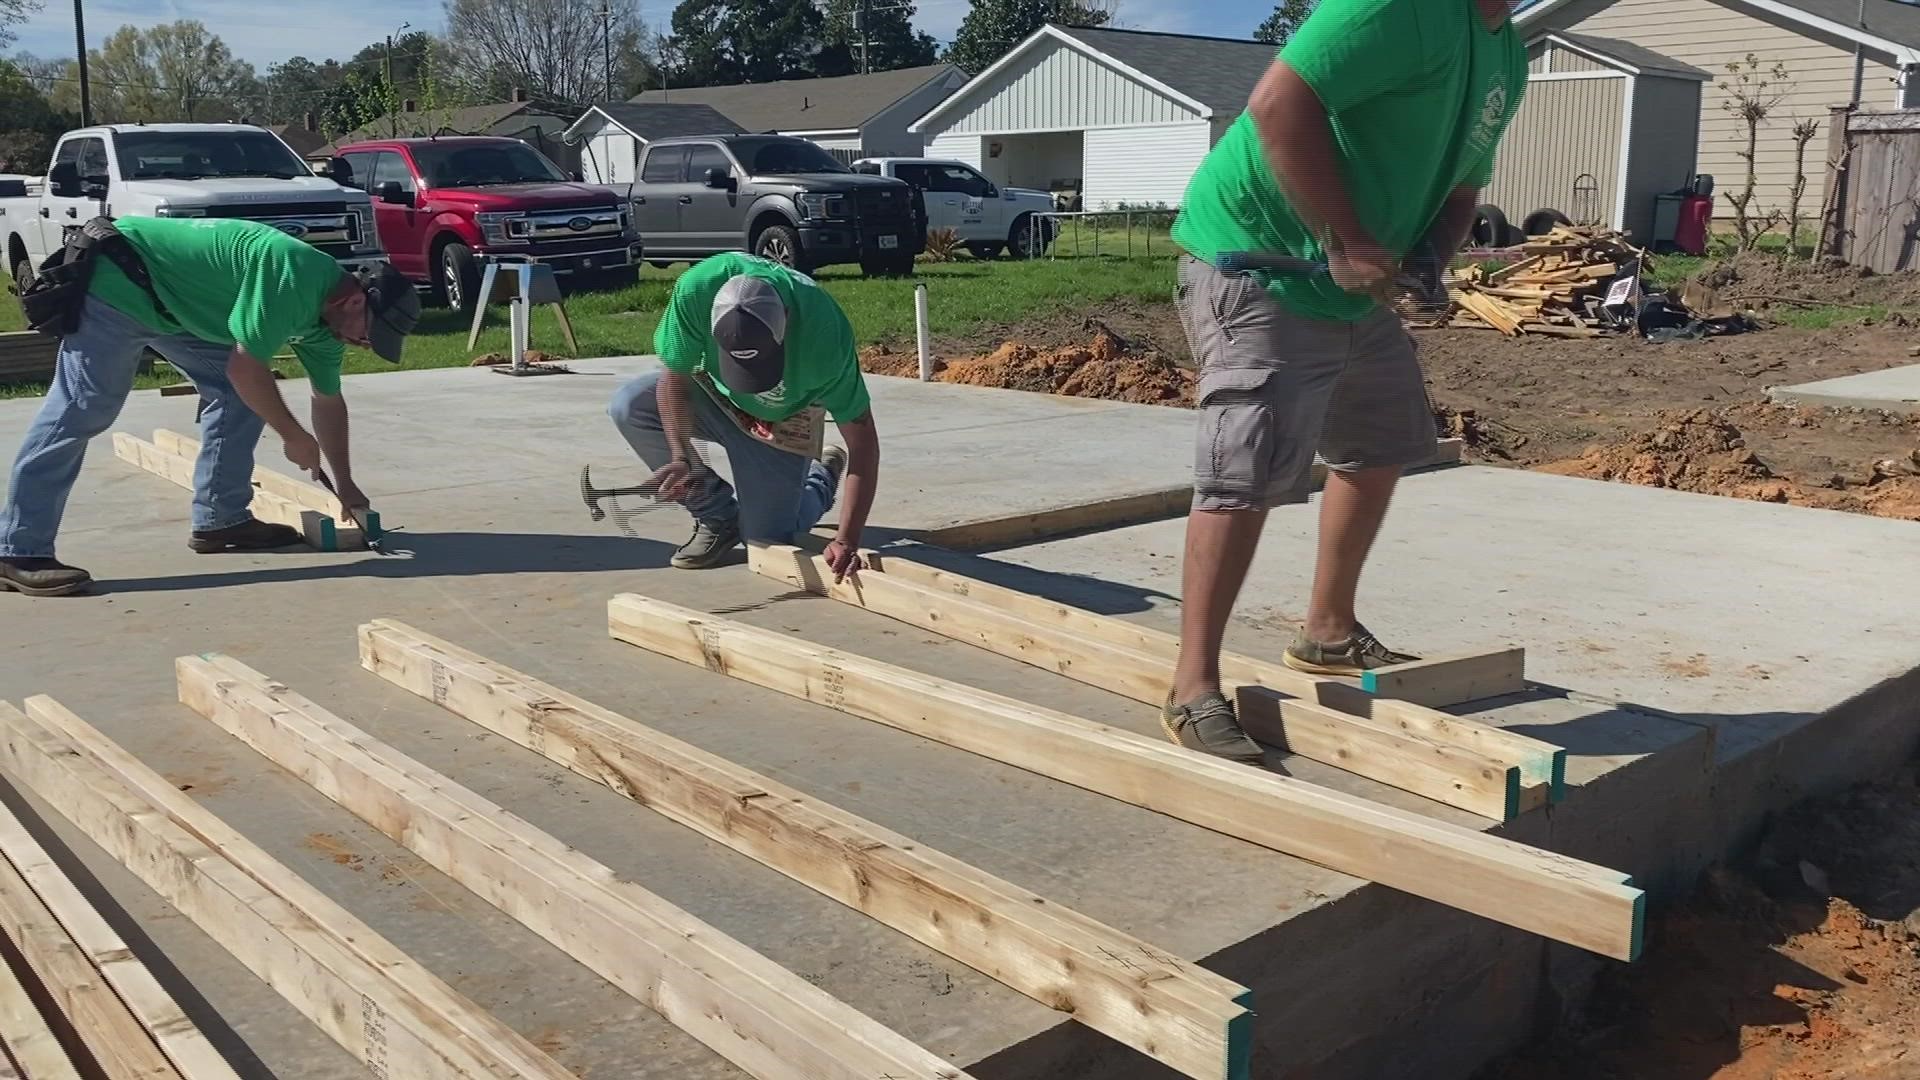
[1423, 276]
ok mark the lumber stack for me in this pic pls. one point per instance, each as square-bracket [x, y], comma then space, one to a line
[1548, 291]
[277, 498]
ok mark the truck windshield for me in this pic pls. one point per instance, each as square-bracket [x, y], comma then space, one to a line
[785, 157]
[447, 165]
[194, 155]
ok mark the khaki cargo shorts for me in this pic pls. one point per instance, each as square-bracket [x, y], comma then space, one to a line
[1275, 387]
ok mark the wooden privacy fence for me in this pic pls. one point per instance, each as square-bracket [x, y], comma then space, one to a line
[1872, 216]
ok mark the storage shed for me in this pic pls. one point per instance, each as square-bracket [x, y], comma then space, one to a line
[1112, 116]
[1605, 126]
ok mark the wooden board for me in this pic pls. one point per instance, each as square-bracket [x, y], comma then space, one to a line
[1378, 751]
[320, 531]
[179, 1040]
[1176, 1012]
[1539, 762]
[29, 1041]
[1448, 679]
[110, 1033]
[310, 496]
[765, 1019]
[1562, 898]
[389, 1013]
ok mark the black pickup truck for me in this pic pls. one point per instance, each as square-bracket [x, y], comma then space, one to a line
[776, 196]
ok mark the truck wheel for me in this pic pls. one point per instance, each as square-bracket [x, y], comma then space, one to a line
[456, 279]
[1026, 240]
[986, 251]
[781, 243]
[23, 271]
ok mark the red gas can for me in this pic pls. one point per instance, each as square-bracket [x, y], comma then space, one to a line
[1696, 222]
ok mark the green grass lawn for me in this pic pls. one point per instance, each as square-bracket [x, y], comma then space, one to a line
[961, 296]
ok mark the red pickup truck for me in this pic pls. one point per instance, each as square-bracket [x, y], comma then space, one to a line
[440, 202]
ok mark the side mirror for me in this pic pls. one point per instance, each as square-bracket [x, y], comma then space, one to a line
[340, 171]
[577, 176]
[63, 180]
[390, 191]
[95, 187]
[720, 180]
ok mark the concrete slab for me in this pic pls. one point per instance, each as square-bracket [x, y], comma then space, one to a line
[1351, 979]
[1892, 390]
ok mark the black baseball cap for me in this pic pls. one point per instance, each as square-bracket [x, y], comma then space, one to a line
[750, 329]
[393, 309]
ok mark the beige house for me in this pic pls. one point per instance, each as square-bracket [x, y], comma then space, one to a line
[1825, 46]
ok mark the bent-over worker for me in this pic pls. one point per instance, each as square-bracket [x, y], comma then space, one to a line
[226, 295]
[746, 343]
[1366, 143]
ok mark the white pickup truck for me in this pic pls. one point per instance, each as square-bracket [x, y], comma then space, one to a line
[987, 218]
[182, 170]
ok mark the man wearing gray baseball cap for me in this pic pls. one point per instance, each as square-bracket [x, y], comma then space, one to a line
[754, 356]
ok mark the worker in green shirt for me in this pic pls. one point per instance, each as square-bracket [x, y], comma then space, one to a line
[745, 344]
[1364, 147]
[220, 298]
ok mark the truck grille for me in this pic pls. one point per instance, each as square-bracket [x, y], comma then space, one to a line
[548, 249]
[264, 210]
[884, 204]
[597, 226]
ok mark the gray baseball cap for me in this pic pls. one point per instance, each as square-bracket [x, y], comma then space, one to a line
[750, 328]
[393, 309]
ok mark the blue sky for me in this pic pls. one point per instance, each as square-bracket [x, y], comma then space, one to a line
[265, 31]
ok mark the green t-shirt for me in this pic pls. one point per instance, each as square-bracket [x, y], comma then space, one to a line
[822, 367]
[231, 282]
[1418, 92]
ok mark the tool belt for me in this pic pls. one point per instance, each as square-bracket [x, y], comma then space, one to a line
[803, 433]
[55, 296]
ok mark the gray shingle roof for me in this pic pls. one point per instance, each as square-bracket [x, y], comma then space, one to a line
[1218, 72]
[837, 104]
[1896, 20]
[664, 121]
[1634, 56]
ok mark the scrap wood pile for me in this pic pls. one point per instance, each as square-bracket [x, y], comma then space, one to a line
[1557, 288]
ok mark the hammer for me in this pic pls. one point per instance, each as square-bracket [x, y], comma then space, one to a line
[592, 495]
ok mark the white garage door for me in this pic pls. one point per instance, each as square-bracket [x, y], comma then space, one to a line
[1143, 165]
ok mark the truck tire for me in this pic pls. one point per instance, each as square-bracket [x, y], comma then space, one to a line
[986, 251]
[1022, 236]
[1490, 228]
[1542, 221]
[892, 266]
[455, 278]
[22, 270]
[781, 243]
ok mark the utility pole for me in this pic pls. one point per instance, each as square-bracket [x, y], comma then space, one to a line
[606, 43]
[393, 95]
[864, 23]
[1859, 56]
[80, 55]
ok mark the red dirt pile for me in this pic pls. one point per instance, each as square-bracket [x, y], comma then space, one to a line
[1703, 451]
[1104, 368]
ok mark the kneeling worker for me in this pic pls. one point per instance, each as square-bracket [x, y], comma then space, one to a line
[744, 344]
[216, 298]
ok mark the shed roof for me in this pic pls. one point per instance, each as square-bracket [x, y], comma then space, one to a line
[659, 121]
[1217, 72]
[1634, 57]
[840, 103]
[1893, 25]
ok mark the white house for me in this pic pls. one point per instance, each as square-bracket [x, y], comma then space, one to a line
[854, 116]
[1120, 116]
[611, 135]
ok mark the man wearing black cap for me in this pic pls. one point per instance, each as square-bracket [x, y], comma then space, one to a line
[226, 295]
[746, 344]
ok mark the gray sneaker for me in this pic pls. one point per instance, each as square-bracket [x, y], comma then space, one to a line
[1359, 654]
[708, 546]
[1209, 726]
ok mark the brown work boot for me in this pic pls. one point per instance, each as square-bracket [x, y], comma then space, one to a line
[41, 577]
[1207, 724]
[250, 535]
[1359, 654]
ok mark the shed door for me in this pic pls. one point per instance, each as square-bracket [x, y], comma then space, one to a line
[1565, 129]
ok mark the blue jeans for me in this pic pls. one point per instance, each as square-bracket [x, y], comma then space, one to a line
[780, 494]
[91, 382]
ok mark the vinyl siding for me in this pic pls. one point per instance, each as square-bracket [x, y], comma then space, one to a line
[960, 147]
[1564, 129]
[1568, 60]
[608, 156]
[1059, 88]
[1711, 35]
[1539, 59]
[1143, 165]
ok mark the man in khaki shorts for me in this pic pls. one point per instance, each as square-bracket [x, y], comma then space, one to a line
[1364, 145]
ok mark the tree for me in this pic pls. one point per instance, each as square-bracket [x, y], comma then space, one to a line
[29, 123]
[722, 42]
[172, 72]
[993, 27]
[889, 36]
[12, 12]
[1286, 18]
[553, 49]
[1753, 93]
[298, 86]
